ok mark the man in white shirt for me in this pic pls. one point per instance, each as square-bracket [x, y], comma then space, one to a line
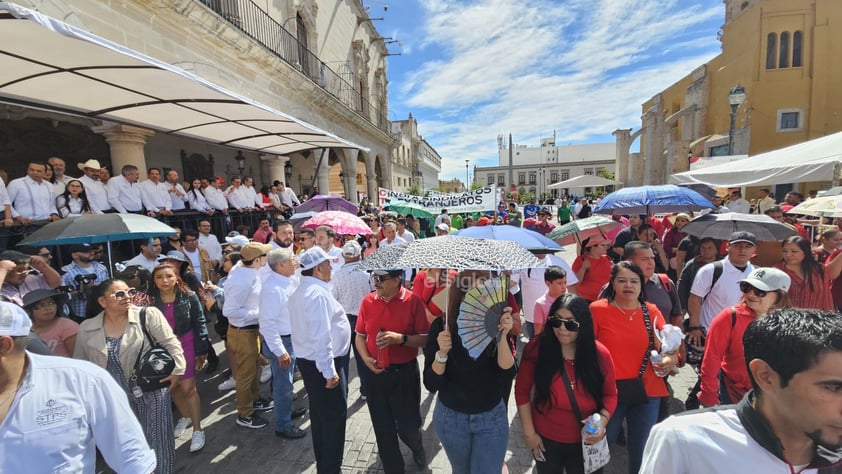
[236, 196]
[210, 242]
[403, 232]
[178, 195]
[6, 205]
[275, 328]
[56, 412]
[709, 297]
[215, 196]
[532, 286]
[31, 197]
[59, 167]
[148, 256]
[788, 422]
[242, 307]
[350, 286]
[287, 195]
[124, 191]
[322, 339]
[324, 239]
[738, 204]
[390, 231]
[94, 188]
[156, 197]
[283, 236]
[765, 201]
[441, 217]
[250, 193]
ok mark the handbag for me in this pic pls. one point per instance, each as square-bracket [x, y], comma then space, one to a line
[631, 392]
[595, 455]
[154, 364]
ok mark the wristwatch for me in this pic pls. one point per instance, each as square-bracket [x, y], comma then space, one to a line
[441, 360]
[404, 339]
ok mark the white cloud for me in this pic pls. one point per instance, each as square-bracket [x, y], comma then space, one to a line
[581, 67]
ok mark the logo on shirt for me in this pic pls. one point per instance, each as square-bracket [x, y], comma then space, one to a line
[51, 415]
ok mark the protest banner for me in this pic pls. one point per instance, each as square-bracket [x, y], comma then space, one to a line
[478, 200]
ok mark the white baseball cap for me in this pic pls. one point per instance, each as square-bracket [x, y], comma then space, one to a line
[312, 257]
[13, 320]
[768, 279]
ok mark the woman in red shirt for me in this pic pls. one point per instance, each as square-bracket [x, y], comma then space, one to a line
[764, 290]
[551, 429]
[619, 324]
[592, 267]
[811, 280]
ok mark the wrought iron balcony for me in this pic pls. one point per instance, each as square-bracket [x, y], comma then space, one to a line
[255, 23]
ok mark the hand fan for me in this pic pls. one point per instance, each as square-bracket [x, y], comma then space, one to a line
[480, 313]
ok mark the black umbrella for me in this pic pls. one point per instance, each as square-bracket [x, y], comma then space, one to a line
[721, 226]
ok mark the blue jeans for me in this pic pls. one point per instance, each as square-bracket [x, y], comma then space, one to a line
[639, 420]
[473, 443]
[281, 384]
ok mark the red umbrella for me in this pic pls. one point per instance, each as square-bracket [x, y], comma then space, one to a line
[341, 222]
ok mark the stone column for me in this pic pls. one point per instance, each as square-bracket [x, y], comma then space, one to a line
[371, 178]
[350, 170]
[653, 119]
[276, 167]
[621, 165]
[126, 144]
[322, 178]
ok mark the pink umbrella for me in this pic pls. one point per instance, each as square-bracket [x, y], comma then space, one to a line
[341, 222]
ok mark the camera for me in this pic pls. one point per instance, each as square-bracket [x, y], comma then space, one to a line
[85, 279]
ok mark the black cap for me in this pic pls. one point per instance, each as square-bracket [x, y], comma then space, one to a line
[81, 248]
[742, 236]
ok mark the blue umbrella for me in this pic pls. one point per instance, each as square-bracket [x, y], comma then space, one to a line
[652, 199]
[530, 240]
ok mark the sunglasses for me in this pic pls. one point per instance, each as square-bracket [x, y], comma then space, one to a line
[746, 288]
[570, 324]
[382, 278]
[120, 294]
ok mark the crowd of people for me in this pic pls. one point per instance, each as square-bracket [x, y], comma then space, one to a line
[596, 336]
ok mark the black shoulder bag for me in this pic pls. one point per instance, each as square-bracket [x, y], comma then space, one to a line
[154, 364]
[631, 392]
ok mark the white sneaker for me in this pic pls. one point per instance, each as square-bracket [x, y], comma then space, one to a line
[229, 384]
[265, 373]
[181, 426]
[197, 442]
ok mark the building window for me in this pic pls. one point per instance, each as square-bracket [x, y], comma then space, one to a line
[771, 50]
[790, 120]
[565, 175]
[531, 178]
[588, 171]
[599, 170]
[521, 179]
[491, 179]
[554, 176]
[783, 53]
[797, 44]
[501, 179]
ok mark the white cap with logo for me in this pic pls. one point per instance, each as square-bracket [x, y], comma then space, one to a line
[13, 320]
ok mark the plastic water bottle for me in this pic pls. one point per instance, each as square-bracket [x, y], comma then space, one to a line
[383, 361]
[656, 358]
[592, 425]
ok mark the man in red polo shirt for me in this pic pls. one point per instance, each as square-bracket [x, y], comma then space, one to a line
[392, 319]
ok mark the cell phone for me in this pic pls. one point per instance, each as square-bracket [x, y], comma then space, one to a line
[540, 457]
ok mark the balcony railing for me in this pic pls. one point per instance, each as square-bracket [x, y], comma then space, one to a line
[255, 23]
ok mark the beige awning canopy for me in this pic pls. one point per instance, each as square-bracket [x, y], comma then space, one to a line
[50, 65]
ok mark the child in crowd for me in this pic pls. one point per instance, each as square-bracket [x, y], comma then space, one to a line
[556, 280]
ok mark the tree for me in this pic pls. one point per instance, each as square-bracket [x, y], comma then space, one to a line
[414, 190]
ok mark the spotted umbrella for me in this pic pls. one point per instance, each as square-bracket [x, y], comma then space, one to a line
[452, 251]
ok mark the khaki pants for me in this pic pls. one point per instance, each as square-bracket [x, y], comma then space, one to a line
[245, 344]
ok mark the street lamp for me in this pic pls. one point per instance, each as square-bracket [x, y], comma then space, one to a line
[735, 97]
[288, 170]
[241, 161]
[466, 174]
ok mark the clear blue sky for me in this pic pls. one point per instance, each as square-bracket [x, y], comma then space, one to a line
[472, 69]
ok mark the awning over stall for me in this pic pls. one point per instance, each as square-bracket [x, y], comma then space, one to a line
[50, 65]
[584, 181]
[814, 160]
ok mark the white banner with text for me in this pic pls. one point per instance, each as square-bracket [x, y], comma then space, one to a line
[478, 200]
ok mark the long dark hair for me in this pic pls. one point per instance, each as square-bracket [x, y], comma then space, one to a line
[180, 286]
[86, 206]
[609, 294]
[550, 361]
[809, 266]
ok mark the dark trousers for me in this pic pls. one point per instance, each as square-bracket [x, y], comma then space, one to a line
[562, 457]
[328, 413]
[394, 403]
[362, 371]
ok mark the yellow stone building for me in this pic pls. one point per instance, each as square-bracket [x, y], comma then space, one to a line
[785, 54]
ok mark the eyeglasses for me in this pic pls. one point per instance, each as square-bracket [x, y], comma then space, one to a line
[120, 294]
[746, 287]
[382, 278]
[570, 324]
[23, 271]
[44, 304]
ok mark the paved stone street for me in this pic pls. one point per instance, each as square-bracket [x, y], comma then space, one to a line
[231, 448]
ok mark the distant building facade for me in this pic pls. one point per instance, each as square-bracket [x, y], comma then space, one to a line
[415, 162]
